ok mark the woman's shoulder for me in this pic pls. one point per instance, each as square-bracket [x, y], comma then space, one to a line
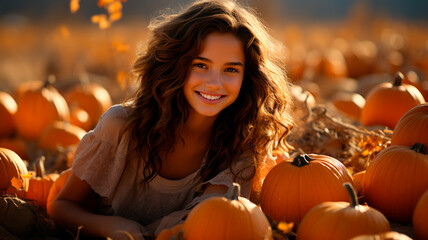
[115, 115]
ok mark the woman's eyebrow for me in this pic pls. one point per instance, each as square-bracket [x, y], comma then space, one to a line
[228, 63]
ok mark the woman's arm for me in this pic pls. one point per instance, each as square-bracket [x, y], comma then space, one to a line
[67, 211]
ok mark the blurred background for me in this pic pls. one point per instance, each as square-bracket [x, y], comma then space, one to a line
[43, 37]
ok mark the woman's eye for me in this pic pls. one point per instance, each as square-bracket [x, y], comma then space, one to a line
[233, 70]
[200, 65]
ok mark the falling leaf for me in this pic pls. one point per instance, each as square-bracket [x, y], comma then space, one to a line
[16, 183]
[74, 6]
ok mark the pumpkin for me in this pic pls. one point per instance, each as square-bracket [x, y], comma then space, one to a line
[350, 104]
[60, 133]
[8, 108]
[420, 217]
[412, 127]
[40, 184]
[226, 217]
[11, 166]
[37, 108]
[91, 97]
[292, 188]
[388, 102]
[80, 118]
[56, 187]
[342, 220]
[391, 235]
[395, 180]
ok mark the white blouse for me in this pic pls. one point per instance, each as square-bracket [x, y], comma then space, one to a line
[100, 160]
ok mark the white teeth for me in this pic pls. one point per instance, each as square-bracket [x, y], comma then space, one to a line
[209, 97]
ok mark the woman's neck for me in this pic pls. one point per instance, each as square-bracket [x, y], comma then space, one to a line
[197, 126]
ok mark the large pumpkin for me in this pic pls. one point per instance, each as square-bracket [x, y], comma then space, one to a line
[91, 97]
[37, 108]
[341, 220]
[60, 133]
[56, 187]
[229, 217]
[388, 102]
[11, 166]
[420, 217]
[396, 179]
[412, 127]
[292, 188]
[8, 109]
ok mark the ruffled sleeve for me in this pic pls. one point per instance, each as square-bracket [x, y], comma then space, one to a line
[100, 155]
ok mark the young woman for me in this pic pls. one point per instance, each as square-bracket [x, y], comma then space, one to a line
[211, 106]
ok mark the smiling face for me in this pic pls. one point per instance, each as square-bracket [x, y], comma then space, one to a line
[216, 75]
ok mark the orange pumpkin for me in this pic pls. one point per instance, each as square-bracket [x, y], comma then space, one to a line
[8, 109]
[420, 217]
[16, 144]
[60, 133]
[396, 179]
[229, 217]
[292, 188]
[412, 127]
[350, 104]
[80, 118]
[91, 97]
[341, 220]
[388, 102]
[11, 166]
[56, 187]
[37, 108]
[40, 184]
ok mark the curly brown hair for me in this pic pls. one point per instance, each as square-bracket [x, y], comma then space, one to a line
[257, 122]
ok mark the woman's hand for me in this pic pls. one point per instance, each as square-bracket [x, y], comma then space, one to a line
[120, 228]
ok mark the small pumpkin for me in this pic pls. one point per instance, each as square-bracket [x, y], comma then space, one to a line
[420, 217]
[91, 97]
[342, 220]
[37, 108]
[412, 127]
[60, 133]
[292, 188]
[226, 217]
[350, 104]
[80, 118]
[388, 179]
[40, 184]
[12, 166]
[388, 102]
[8, 108]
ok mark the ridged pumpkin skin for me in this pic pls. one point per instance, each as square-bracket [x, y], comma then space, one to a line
[60, 133]
[391, 235]
[230, 217]
[8, 108]
[388, 102]
[412, 127]
[395, 180]
[420, 217]
[56, 187]
[341, 220]
[91, 97]
[39, 188]
[11, 165]
[292, 188]
[37, 108]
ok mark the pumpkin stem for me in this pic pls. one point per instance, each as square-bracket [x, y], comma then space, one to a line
[419, 148]
[234, 191]
[49, 81]
[39, 166]
[398, 79]
[301, 160]
[352, 195]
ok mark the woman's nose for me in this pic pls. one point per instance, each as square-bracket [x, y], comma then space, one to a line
[214, 80]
